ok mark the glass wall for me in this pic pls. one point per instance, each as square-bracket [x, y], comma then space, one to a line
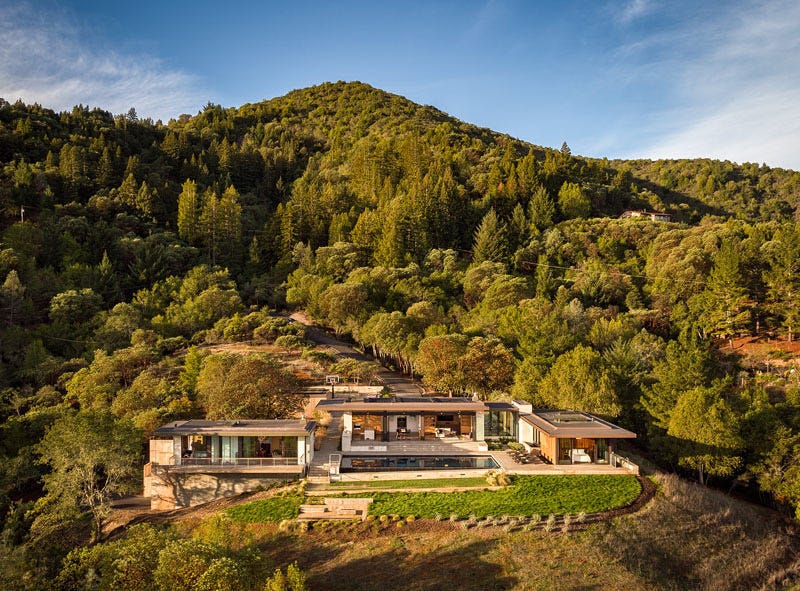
[499, 423]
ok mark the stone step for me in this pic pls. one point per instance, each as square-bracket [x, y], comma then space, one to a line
[326, 517]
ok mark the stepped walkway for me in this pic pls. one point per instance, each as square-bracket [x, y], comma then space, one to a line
[319, 470]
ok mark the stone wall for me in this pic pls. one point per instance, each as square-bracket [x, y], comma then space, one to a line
[171, 490]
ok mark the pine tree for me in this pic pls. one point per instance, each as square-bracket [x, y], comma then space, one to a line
[490, 242]
[545, 284]
[783, 277]
[12, 294]
[725, 303]
[229, 220]
[209, 224]
[127, 191]
[189, 213]
[541, 210]
[105, 169]
[518, 228]
[572, 202]
[145, 198]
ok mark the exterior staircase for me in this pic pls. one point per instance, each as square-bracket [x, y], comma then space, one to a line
[336, 509]
[319, 470]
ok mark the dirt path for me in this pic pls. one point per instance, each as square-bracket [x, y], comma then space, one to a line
[398, 383]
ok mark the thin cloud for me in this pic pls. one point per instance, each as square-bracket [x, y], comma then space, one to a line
[736, 89]
[635, 9]
[44, 59]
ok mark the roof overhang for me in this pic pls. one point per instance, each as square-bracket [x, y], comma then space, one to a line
[591, 428]
[243, 428]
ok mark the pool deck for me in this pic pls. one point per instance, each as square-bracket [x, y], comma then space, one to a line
[501, 457]
[447, 446]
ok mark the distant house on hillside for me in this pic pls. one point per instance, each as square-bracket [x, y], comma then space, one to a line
[653, 216]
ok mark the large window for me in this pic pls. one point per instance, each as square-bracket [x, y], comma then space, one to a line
[499, 423]
[290, 447]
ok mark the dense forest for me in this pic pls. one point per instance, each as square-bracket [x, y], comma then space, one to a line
[481, 263]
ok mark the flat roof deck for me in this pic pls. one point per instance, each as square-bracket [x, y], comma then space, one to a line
[241, 428]
[404, 405]
[572, 424]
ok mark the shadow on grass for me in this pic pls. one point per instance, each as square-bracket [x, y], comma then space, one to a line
[395, 567]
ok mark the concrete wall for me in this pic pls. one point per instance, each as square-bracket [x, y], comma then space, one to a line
[161, 451]
[171, 490]
[525, 431]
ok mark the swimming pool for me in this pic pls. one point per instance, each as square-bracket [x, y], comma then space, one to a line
[392, 463]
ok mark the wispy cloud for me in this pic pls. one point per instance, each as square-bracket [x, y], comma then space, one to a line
[736, 88]
[489, 13]
[635, 9]
[46, 58]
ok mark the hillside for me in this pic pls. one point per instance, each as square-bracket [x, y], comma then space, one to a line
[134, 255]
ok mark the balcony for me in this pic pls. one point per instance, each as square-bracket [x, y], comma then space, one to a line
[274, 465]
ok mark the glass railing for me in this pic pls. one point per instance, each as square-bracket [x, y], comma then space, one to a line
[194, 461]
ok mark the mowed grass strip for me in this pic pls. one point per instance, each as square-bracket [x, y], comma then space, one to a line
[272, 510]
[527, 495]
[417, 483]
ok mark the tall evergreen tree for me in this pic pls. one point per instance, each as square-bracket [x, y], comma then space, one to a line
[490, 242]
[783, 277]
[572, 202]
[189, 213]
[541, 210]
[724, 305]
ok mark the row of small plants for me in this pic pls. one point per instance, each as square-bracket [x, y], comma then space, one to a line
[518, 522]
[508, 523]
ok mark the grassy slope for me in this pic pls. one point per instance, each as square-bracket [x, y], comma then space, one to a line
[688, 537]
[528, 495]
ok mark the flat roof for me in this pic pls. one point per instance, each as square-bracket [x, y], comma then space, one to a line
[404, 405]
[573, 424]
[240, 428]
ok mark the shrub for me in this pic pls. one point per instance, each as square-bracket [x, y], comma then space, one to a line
[580, 517]
[290, 342]
[567, 522]
[453, 517]
[550, 523]
[411, 519]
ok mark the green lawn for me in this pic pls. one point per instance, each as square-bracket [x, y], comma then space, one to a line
[272, 510]
[418, 483]
[558, 494]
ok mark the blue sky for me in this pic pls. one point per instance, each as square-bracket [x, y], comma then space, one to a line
[634, 78]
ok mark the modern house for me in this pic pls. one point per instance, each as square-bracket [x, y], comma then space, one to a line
[569, 437]
[421, 419]
[653, 216]
[561, 437]
[192, 462]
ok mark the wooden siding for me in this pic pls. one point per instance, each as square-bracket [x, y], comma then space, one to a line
[549, 448]
[466, 426]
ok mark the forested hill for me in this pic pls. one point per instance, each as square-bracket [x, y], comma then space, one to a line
[474, 260]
